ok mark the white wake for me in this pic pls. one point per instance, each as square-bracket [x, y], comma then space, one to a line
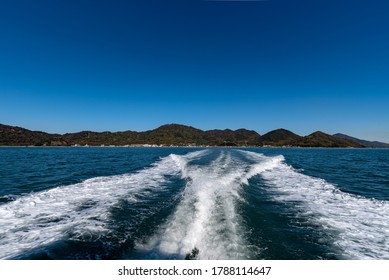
[207, 217]
[360, 226]
[76, 210]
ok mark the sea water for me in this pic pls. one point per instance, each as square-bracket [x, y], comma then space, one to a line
[161, 203]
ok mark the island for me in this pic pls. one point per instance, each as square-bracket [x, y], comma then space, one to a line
[181, 135]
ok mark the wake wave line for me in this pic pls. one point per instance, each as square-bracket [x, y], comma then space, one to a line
[207, 217]
[359, 226]
[73, 211]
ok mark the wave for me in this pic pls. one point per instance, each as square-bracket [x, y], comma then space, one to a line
[207, 217]
[78, 210]
[358, 226]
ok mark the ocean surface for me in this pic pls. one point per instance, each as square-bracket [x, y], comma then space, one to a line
[160, 203]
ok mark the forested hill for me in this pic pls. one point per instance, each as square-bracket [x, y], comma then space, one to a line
[173, 134]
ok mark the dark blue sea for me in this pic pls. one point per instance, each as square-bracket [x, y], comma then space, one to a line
[161, 203]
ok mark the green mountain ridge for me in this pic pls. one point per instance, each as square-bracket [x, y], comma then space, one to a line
[173, 134]
[280, 137]
[321, 139]
[365, 143]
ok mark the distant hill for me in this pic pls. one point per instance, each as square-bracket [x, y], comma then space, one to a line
[280, 137]
[170, 134]
[321, 139]
[17, 136]
[228, 137]
[365, 143]
[179, 135]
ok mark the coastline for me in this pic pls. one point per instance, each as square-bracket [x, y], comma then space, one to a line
[197, 147]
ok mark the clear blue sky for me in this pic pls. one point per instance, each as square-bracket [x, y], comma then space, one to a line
[67, 66]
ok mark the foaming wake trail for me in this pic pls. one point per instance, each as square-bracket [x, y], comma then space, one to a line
[359, 226]
[75, 211]
[207, 217]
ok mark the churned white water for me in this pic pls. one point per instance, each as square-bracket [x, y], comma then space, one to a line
[207, 217]
[73, 211]
[359, 226]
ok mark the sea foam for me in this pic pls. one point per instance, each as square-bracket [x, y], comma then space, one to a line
[359, 226]
[74, 211]
[207, 217]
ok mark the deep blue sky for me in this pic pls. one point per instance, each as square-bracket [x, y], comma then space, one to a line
[67, 66]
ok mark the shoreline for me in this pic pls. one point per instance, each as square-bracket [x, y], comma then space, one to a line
[198, 147]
